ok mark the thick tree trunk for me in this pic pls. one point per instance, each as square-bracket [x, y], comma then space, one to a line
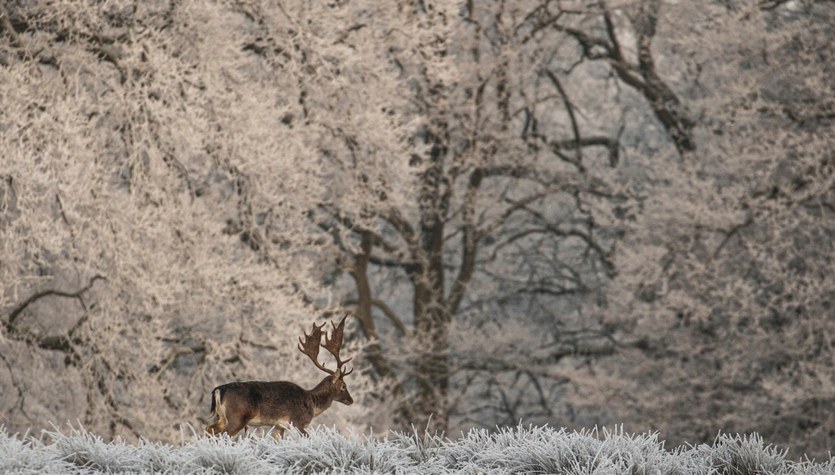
[363, 311]
[432, 336]
[430, 310]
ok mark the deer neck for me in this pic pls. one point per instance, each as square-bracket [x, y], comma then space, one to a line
[322, 396]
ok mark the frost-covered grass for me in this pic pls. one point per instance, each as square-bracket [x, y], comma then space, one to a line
[510, 450]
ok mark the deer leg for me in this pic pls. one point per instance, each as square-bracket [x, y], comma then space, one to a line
[218, 427]
[302, 427]
[236, 424]
[234, 431]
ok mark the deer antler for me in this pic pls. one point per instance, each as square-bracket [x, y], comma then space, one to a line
[309, 345]
[334, 343]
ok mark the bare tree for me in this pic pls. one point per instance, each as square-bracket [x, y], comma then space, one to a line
[503, 184]
[725, 270]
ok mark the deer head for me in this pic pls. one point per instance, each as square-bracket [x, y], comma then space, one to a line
[309, 345]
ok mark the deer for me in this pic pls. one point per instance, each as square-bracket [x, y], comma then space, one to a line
[241, 404]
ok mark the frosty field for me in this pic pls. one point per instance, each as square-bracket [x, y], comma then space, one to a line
[510, 450]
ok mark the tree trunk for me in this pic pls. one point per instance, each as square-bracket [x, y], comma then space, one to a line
[363, 312]
[432, 337]
[430, 311]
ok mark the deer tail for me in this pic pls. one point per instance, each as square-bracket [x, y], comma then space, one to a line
[215, 401]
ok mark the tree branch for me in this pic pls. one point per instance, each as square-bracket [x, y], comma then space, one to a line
[15, 313]
[569, 107]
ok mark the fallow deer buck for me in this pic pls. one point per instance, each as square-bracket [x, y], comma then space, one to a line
[279, 403]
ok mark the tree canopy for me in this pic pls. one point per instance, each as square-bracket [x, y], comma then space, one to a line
[557, 211]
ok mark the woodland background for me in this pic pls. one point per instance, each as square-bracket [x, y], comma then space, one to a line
[547, 211]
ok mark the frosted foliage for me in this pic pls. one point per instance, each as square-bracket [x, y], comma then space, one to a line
[566, 212]
[150, 166]
[725, 274]
[523, 449]
[190, 178]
